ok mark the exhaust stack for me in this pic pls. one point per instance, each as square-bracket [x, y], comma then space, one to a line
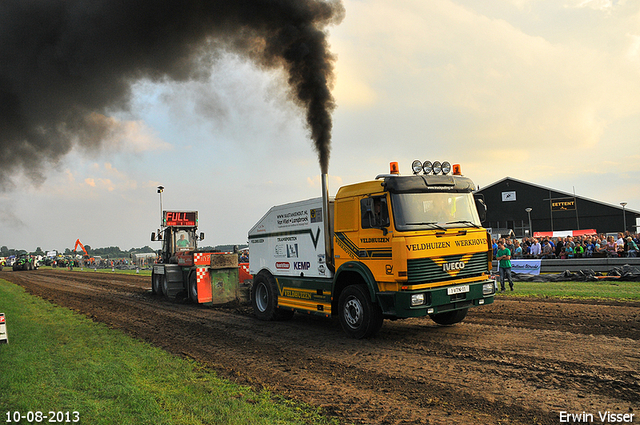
[328, 238]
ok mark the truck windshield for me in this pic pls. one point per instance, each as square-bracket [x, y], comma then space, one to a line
[420, 211]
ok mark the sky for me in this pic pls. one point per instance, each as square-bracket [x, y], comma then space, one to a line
[543, 91]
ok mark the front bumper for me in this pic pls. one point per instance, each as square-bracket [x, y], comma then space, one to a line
[437, 300]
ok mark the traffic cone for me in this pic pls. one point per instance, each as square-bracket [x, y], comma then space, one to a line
[4, 339]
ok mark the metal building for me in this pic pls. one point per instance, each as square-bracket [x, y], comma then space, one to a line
[526, 208]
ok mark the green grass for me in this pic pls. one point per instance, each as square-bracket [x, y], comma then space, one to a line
[58, 360]
[605, 289]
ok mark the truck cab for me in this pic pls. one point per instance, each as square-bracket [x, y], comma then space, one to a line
[421, 239]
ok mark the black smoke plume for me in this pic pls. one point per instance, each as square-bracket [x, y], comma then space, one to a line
[66, 63]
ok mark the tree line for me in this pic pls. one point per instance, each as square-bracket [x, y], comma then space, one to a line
[109, 252]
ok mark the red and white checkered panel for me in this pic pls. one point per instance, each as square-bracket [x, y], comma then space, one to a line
[202, 258]
[243, 272]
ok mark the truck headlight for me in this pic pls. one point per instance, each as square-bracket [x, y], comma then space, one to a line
[417, 299]
[488, 288]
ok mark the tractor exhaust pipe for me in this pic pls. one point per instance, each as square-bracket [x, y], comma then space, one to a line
[328, 238]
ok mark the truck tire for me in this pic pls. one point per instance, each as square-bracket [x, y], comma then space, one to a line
[193, 288]
[359, 317]
[264, 299]
[449, 317]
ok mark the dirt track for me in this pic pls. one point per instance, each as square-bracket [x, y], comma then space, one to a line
[513, 362]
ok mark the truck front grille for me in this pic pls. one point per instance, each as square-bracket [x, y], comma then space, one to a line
[429, 270]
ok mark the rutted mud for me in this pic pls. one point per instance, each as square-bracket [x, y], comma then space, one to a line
[513, 362]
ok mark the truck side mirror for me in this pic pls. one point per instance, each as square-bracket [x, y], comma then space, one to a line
[153, 236]
[201, 235]
[482, 209]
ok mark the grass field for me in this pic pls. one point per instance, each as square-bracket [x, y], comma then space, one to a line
[606, 289]
[60, 361]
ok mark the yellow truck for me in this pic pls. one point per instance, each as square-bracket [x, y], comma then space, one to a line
[394, 247]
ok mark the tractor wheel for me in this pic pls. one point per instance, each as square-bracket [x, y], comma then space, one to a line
[264, 299]
[359, 317]
[450, 317]
[164, 285]
[156, 284]
[193, 288]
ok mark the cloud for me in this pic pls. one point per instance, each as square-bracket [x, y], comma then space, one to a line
[497, 84]
[604, 5]
[10, 219]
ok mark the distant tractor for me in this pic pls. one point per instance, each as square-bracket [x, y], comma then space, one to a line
[24, 262]
[183, 271]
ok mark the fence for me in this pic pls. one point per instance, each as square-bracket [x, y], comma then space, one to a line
[577, 264]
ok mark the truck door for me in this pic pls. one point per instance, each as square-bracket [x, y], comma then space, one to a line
[374, 239]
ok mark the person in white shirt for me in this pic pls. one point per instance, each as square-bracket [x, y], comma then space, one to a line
[536, 249]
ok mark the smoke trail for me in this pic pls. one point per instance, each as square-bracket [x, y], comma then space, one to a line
[64, 61]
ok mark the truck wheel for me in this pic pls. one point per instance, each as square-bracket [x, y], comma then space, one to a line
[450, 317]
[359, 317]
[193, 288]
[264, 298]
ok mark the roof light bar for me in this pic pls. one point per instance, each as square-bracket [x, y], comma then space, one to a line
[436, 167]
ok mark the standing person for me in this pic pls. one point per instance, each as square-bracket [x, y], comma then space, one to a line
[518, 250]
[536, 249]
[611, 247]
[559, 246]
[504, 258]
[620, 245]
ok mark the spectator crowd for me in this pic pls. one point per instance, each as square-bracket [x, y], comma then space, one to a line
[600, 245]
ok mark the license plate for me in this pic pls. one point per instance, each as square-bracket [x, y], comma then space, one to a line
[458, 290]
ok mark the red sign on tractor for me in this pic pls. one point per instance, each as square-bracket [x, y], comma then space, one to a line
[181, 218]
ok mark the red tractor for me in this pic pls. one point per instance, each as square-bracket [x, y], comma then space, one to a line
[183, 271]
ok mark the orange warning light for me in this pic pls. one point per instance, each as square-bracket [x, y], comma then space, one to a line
[393, 168]
[457, 171]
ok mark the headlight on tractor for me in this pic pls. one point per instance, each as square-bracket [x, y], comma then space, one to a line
[488, 288]
[417, 299]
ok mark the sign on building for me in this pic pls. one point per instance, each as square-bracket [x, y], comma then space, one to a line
[509, 196]
[563, 204]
